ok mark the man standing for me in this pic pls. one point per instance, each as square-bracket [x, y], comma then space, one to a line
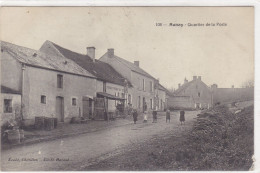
[182, 117]
[168, 116]
[135, 114]
[155, 116]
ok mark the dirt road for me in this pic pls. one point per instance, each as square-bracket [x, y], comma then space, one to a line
[76, 153]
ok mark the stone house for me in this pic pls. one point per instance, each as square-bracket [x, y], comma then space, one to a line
[110, 84]
[143, 95]
[190, 95]
[50, 86]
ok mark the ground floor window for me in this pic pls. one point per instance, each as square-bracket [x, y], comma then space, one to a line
[74, 102]
[151, 103]
[129, 99]
[8, 106]
[43, 99]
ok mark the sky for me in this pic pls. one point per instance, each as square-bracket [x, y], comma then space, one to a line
[219, 54]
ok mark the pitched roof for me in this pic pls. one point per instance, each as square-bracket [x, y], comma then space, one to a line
[186, 85]
[8, 90]
[101, 70]
[133, 67]
[183, 87]
[42, 60]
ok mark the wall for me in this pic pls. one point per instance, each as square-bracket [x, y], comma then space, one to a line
[223, 95]
[113, 89]
[16, 107]
[180, 102]
[162, 98]
[138, 90]
[11, 72]
[132, 76]
[44, 82]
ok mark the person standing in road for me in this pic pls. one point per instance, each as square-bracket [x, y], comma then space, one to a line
[168, 116]
[155, 116]
[145, 116]
[182, 117]
[135, 115]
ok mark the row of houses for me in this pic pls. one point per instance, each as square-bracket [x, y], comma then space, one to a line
[57, 82]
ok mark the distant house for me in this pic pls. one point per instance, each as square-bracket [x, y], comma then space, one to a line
[192, 94]
[143, 95]
[51, 86]
[110, 84]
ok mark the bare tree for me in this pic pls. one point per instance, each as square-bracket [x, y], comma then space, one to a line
[248, 84]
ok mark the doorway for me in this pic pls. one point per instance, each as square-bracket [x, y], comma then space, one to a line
[60, 108]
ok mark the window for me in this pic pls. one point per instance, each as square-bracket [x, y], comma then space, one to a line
[43, 99]
[129, 99]
[196, 86]
[143, 85]
[151, 86]
[151, 103]
[8, 106]
[139, 102]
[59, 81]
[139, 84]
[74, 102]
[122, 95]
[199, 94]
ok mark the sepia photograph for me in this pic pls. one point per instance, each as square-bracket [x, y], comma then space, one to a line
[127, 88]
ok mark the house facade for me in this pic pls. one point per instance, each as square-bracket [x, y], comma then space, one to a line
[110, 84]
[50, 86]
[193, 94]
[144, 94]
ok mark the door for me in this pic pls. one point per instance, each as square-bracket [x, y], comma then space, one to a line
[144, 104]
[87, 107]
[99, 106]
[60, 109]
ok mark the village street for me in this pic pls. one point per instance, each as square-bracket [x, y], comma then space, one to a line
[76, 153]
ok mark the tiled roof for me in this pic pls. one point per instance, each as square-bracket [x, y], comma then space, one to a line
[186, 85]
[101, 70]
[183, 87]
[133, 67]
[8, 90]
[39, 59]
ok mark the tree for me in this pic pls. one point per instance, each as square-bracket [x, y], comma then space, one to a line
[248, 84]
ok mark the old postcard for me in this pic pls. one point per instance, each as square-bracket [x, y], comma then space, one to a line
[127, 88]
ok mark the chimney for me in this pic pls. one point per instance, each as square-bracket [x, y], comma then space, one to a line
[199, 77]
[179, 85]
[194, 77]
[91, 53]
[110, 53]
[185, 80]
[136, 63]
[214, 86]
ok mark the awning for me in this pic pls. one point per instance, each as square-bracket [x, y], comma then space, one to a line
[109, 96]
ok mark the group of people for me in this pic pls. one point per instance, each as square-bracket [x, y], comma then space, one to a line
[154, 113]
